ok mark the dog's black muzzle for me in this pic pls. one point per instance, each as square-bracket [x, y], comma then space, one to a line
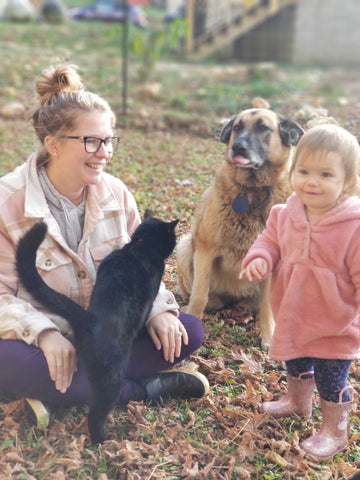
[242, 147]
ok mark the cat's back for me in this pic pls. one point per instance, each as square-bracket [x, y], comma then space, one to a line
[134, 272]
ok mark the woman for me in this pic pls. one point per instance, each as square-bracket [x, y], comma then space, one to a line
[89, 213]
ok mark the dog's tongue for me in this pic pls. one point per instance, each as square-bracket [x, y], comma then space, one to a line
[241, 160]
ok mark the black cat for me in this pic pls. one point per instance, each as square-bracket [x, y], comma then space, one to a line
[127, 283]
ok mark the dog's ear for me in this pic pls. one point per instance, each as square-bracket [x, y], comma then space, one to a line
[290, 132]
[226, 131]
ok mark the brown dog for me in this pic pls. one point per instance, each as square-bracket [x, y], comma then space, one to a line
[233, 211]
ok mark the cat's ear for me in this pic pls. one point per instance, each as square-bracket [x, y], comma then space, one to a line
[173, 224]
[148, 214]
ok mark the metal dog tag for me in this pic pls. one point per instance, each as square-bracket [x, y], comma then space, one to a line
[241, 204]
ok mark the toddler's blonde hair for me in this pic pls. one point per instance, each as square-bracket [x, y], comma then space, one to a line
[327, 138]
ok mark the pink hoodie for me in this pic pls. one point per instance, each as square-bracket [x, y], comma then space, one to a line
[315, 289]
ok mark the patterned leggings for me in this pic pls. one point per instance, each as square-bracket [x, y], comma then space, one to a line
[330, 376]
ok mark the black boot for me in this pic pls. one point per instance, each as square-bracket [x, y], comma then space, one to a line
[175, 384]
[356, 476]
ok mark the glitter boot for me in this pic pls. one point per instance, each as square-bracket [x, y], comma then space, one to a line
[298, 398]
[332, 436]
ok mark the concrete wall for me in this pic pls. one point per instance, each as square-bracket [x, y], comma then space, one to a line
[327, 32]
[270, 41]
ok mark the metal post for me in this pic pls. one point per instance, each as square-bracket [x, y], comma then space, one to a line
[190, 18]
[125, 57]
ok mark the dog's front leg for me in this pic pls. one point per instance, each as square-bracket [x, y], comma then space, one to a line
[266, 319]
[203, 261]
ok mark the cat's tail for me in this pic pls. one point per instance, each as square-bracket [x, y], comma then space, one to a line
[77, 316]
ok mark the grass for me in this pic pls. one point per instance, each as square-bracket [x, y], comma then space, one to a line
[168, 153]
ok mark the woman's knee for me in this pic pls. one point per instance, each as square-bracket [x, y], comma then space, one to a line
[195, 330]
[17, 360]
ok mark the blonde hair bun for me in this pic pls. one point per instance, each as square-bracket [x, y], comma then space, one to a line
[57, 80]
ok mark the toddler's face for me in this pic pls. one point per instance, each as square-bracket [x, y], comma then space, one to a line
[319, 181]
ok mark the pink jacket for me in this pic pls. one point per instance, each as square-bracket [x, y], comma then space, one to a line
[110, 219]
[315, 289]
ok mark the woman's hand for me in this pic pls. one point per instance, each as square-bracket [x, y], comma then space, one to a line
[60, 355]
[257, 269]
[168, 333]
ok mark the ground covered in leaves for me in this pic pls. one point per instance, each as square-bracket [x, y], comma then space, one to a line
[168, 156]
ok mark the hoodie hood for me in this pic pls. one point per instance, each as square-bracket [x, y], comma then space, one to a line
[349, 209]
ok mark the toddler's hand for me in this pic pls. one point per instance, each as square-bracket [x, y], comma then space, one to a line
[257, 269]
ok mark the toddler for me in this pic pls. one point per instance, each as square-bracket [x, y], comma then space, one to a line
[311, 246]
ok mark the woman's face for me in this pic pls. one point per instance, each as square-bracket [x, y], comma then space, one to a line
[71, 167]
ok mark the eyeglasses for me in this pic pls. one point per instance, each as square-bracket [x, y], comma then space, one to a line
[93, 144]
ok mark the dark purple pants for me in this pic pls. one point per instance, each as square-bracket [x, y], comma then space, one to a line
[24, 371]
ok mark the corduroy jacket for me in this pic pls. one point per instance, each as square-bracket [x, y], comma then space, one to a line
[111, 217]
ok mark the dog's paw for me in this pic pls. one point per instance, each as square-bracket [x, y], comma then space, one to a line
[265, 346]
[265, 340]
